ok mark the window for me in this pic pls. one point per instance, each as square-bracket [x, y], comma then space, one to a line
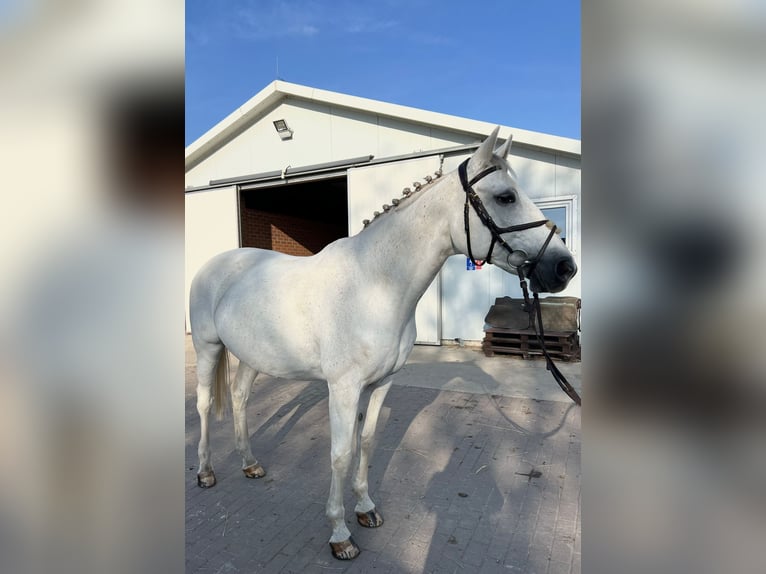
[557, 215]
[561, 211]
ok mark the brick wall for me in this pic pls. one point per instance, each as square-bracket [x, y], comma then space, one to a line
[287, 233]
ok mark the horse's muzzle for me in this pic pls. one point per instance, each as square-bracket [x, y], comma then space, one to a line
[552, 276]
[565, 269]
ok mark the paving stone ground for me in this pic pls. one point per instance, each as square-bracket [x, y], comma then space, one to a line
[482, 479]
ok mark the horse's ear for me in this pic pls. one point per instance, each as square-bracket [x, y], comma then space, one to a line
[483, 155]
[503, 150]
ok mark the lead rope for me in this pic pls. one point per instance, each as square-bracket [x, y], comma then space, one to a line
[536, 319]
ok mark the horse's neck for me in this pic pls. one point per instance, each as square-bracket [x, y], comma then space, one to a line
[405, 248]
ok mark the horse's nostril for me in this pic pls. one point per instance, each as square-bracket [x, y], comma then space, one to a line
[565, 269]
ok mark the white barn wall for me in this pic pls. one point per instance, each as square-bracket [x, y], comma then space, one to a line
[567, 176]
[211, 227]
[352, 133]
[536, 172]
[323, 133]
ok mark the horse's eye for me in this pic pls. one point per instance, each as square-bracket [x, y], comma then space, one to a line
[506, 198]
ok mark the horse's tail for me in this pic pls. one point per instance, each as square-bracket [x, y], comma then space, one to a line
[221, 390]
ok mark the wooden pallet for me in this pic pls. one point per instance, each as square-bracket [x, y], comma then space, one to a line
[559, 344]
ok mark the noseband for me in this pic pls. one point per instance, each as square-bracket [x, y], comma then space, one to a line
[524, 269]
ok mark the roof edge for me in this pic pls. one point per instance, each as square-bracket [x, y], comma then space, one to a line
[279, 89]
[196, 150]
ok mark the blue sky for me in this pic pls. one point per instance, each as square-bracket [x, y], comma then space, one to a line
[511, 62]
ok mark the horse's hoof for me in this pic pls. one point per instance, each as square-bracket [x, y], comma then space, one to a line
[254, 471]
[206, 479]
[369, 519]
[345, 549]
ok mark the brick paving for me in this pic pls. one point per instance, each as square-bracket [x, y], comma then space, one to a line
[466, 482]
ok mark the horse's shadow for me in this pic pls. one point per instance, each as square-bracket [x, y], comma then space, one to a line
[484, 508]
[290, 413]
[464, 499]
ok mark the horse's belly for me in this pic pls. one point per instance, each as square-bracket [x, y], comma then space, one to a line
[273, 355]
[275, 338]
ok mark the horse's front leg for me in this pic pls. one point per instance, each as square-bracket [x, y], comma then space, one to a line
[366, 513]
[343, 403]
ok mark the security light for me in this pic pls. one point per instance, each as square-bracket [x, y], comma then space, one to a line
[284, 132]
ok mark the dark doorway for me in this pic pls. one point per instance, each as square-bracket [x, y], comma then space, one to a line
[296, 218]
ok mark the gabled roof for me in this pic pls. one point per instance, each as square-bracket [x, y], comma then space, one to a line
[278, 90]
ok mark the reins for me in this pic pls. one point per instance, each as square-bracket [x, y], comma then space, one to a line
[533, 308]
[536, 320]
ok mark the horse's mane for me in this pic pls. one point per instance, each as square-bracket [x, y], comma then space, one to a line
[407, 193]
[417, 187]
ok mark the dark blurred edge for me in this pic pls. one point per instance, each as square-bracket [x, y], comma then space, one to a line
[92, 355]
[672, 317]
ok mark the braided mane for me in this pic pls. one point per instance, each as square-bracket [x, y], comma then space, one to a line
[407, 192]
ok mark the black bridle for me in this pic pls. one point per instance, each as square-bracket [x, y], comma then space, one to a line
[524, 266]
[472, 199]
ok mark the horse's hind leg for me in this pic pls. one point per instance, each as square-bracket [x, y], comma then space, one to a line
[240, 391]
[366, 513]
[208, 356]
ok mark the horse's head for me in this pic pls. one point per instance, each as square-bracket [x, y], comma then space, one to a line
[500, 224]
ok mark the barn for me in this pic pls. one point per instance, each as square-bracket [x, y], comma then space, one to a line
[296, 167]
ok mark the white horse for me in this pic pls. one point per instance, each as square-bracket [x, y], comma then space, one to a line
[347, 314]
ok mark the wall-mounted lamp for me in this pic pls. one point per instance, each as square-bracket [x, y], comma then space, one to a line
[283, 130]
